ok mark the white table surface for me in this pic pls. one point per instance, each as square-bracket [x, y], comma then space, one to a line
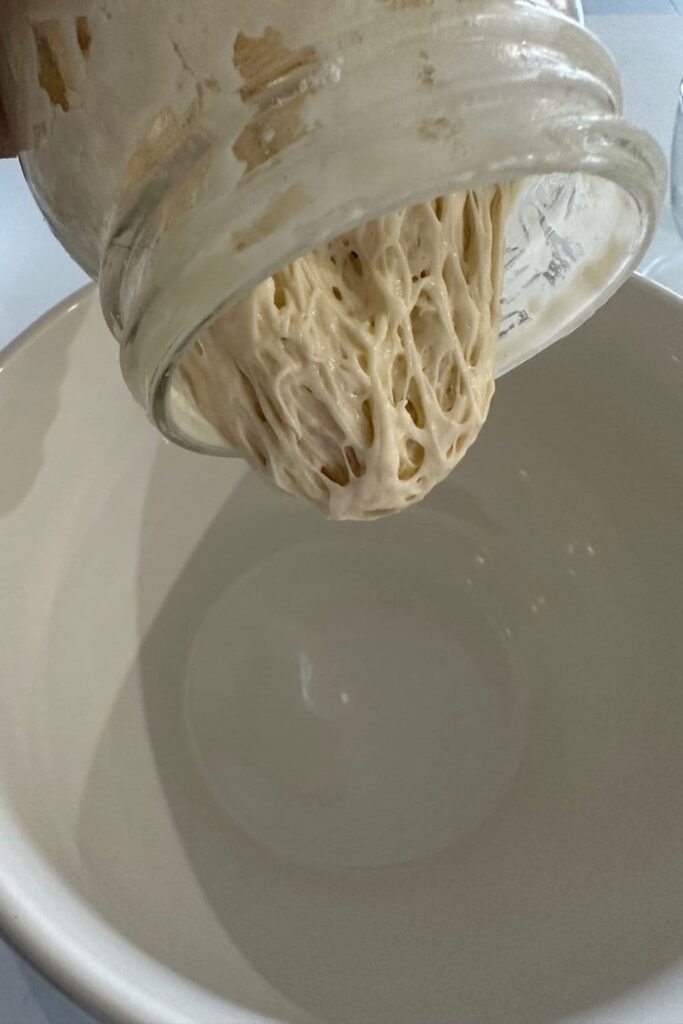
[646, 39]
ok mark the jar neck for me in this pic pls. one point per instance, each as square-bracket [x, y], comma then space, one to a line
[487, 92]
[569, 8]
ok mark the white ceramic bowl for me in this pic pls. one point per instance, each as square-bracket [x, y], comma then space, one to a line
[257, 767]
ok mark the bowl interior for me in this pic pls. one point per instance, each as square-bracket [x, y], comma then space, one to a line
[258, 766]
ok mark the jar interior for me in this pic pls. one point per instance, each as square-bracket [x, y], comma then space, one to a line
[569, 243]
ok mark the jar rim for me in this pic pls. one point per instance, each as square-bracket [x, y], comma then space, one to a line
[549, 104]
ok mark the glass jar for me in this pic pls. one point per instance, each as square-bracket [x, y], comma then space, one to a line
[677, 165]
[182, 153]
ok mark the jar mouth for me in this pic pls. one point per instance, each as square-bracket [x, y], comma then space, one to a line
[561, 262]
[545, 111]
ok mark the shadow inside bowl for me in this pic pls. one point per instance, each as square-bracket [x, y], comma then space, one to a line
[564, 888]
[48, 367]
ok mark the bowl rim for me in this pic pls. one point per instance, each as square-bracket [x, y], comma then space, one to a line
[30, 929]
[33, 932]
[50, 318]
